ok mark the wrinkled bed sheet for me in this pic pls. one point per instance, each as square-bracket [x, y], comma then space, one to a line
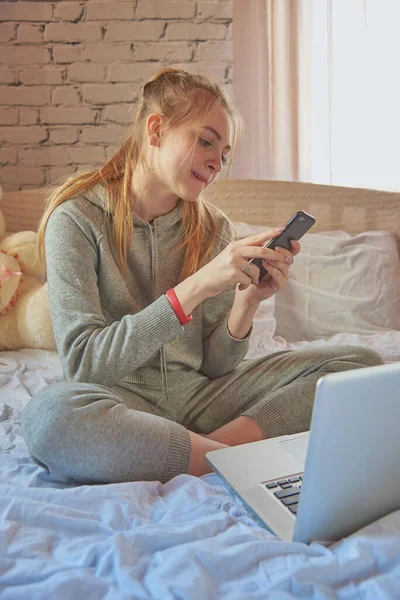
[187, 539]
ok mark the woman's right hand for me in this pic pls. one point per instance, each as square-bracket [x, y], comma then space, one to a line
[227, 269]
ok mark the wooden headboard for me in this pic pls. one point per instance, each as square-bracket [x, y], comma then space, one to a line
[269, 203]
[273, 202]
[22, 210]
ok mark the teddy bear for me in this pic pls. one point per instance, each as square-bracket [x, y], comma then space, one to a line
[24, 307]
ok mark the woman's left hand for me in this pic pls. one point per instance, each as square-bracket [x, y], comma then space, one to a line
[275, 280]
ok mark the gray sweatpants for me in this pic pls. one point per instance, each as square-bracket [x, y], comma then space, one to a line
[94, 434]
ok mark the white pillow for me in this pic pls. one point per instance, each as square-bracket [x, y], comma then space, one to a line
[245, 229]
[264, 323]
[339, 283]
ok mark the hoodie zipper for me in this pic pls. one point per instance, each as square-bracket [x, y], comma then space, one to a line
[163, 362]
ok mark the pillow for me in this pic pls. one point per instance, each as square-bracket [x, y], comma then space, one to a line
[245, 229]
[339, 283]
[264, 323]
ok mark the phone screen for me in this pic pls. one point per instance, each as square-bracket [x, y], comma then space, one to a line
[295, 228]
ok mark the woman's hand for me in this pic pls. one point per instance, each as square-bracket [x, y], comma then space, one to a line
[253, 293]
[227, 269]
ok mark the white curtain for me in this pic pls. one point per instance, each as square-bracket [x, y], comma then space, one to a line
[265, 44]
[341, 104]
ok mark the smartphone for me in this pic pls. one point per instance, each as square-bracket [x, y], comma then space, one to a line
[295, 228]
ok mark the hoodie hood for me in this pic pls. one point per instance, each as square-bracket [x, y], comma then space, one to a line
[97, 196]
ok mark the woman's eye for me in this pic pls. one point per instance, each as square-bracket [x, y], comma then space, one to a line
[204, 143]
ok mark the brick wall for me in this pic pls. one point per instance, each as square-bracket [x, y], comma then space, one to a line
[70, 70]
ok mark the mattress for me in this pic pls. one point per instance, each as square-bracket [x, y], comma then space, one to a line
[188, 539]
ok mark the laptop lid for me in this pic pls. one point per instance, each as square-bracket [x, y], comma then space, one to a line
[352, 469]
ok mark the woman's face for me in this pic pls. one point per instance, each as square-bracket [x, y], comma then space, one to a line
[190, 158]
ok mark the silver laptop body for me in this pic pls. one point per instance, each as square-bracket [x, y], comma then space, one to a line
[350, 461]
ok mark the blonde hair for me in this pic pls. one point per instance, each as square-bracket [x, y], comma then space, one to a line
[178, 96]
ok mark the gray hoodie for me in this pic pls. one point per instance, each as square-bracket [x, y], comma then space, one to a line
[113, 329]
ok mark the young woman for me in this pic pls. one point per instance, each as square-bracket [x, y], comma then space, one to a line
[152, 301]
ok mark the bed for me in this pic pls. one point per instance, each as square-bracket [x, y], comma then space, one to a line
[191, 538]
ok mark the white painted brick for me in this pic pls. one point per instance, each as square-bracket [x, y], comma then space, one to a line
[66, 115]
[216, 10]
[72, 32]
[28, 115]
[66, 94]
[105, 52]
[214, 70]
[26, 11]
[108, 134]
[129, 32]
[18, 55]
[85, 168]
[25, 96]
[93, 155]
[23, 135]
[8, 116]
[64, 135]
[44, 156]
[118, 113]
[228, 88]
[175, 51]
[8, 75]
[67, 54]
[165, 9]
[47, 142]
[111, 150]
[8, 31]
[28, 186]
[215, 52]
[87, 72]
[41, 76]
[134, 72]
[19, 176]
[107, 11]
[30, 34]
[195, 31]
[68, 11]
[106, 94]
[58, 174]
[8, 155]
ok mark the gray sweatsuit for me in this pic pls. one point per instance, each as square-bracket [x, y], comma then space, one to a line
[135, 380]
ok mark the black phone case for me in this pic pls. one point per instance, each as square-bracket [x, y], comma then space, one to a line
[295, 228]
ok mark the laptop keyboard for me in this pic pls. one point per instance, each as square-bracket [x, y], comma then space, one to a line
[286, 490]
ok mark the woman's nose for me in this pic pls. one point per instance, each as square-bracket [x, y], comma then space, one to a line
[215, 165]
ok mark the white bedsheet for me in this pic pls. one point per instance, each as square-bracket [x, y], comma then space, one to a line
[189, 539]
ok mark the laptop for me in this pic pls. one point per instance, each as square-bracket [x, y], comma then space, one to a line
[327, 483]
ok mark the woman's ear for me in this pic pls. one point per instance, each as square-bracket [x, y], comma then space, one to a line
[153, 124]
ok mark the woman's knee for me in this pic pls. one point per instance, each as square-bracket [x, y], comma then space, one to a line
[45, 418]
[361, 356]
